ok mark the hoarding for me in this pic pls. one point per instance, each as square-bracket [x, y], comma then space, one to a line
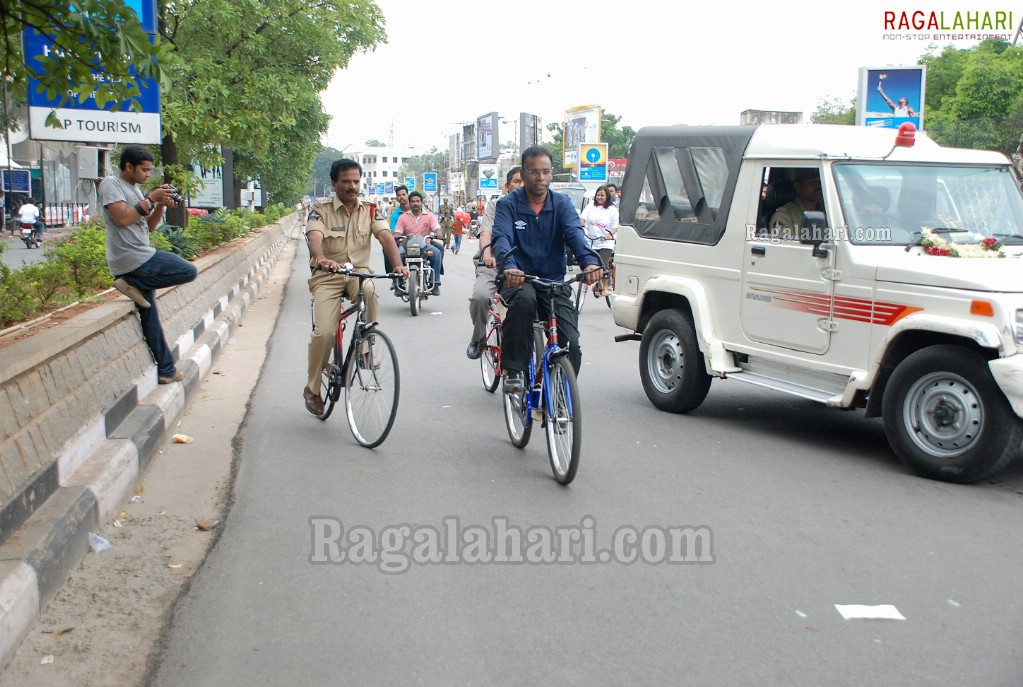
[890, 96]
[487, 140]
[489, 175]
[582, 125]
[85, 121]
[593, 162]
[430, 182]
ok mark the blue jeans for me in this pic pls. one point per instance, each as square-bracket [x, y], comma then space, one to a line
[458, 243]
[159, 272]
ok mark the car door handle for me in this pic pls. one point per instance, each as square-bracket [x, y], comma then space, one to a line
[759, 250]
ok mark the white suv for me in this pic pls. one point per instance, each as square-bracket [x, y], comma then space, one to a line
[902, 295]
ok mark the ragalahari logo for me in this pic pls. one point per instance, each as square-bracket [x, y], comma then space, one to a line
[968, 25]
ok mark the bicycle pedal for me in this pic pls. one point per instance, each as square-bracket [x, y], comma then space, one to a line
[537, 415]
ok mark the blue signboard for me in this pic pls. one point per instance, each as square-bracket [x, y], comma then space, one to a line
[86, 121]
[17, 181]
[410, 182]
[430, 182]
[380, 189]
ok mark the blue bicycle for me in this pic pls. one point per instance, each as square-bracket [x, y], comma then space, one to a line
[550, 395]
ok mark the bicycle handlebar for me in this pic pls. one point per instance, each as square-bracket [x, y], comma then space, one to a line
[349, 270]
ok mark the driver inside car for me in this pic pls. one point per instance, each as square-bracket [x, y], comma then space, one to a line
[418, 222]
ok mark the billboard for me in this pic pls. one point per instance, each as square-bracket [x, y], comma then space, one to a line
[487, 142]
[593, 162]
[530, 131]
[489, 175]
[582, 125]
[210, 193]
[889, 96]
[430, 182]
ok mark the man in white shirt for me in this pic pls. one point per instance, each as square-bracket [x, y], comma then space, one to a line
[29, 214]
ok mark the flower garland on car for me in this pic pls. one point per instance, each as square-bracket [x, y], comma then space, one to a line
[936, 245]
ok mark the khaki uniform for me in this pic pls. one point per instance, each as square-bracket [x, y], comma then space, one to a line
[346, 238]
[788, 219]
[447, 218]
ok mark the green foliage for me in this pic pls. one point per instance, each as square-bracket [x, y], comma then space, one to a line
[76, 265]
[253, 83]
[433, 161]
[82, 258]
[15, 303]
[176, 240]
[975, 96]
[83, 32]
[373, 143]
[321, 170]
[834, 111]
[619, 141]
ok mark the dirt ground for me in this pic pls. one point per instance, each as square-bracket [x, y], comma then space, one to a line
[101, 628]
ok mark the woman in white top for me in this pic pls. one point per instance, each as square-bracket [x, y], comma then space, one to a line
[600, 224]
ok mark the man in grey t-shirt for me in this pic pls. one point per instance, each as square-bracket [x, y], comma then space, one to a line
[138, 268]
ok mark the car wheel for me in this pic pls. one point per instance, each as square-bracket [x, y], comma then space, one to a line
[671, 365]
[946, 418]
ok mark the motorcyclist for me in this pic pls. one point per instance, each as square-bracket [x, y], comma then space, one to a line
[416, 222]
[28, 213]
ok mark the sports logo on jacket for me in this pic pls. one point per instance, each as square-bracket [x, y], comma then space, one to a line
[520, 224]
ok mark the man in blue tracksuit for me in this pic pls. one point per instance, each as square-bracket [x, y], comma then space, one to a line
[540, 223]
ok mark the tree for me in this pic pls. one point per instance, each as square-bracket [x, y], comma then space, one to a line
[834, 111]
[99, 48]
[975, 99]
[252, 84]
[619, 141]
[433, 161]
[373, 143]
[321, 168]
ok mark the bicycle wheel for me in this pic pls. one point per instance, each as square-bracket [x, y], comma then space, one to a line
[581, 289]
[371, 389]
[330, 383]
[516, 418]
[490, 361]
[413, 291]
[564, 422]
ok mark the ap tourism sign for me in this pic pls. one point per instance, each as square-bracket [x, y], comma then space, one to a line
[87, 122]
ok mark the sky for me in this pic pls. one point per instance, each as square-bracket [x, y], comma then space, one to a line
[650, 62]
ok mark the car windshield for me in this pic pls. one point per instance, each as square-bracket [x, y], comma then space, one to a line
[893, 203]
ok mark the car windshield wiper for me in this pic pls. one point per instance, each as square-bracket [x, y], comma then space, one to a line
[1009, 239]
[918, 236]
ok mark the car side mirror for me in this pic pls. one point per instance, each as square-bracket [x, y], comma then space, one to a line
[815, 232]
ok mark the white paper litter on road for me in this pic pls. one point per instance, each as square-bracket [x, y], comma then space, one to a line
[860, 611]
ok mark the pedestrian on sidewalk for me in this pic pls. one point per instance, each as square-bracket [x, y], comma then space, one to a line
[138, 268]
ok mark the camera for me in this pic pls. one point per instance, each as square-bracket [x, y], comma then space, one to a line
[175, 195]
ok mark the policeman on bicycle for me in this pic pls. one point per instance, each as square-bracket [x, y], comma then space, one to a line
[338, 231]
[540, 223]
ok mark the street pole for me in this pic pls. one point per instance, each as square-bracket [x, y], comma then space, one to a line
[7, 141]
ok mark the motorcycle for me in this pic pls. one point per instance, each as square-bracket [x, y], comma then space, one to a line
[474, 228]
[28, 235]
[417, 287]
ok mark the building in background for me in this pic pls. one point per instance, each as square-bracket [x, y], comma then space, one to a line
[757, 117]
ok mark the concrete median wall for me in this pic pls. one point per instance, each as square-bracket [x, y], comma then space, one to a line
[81, 415]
